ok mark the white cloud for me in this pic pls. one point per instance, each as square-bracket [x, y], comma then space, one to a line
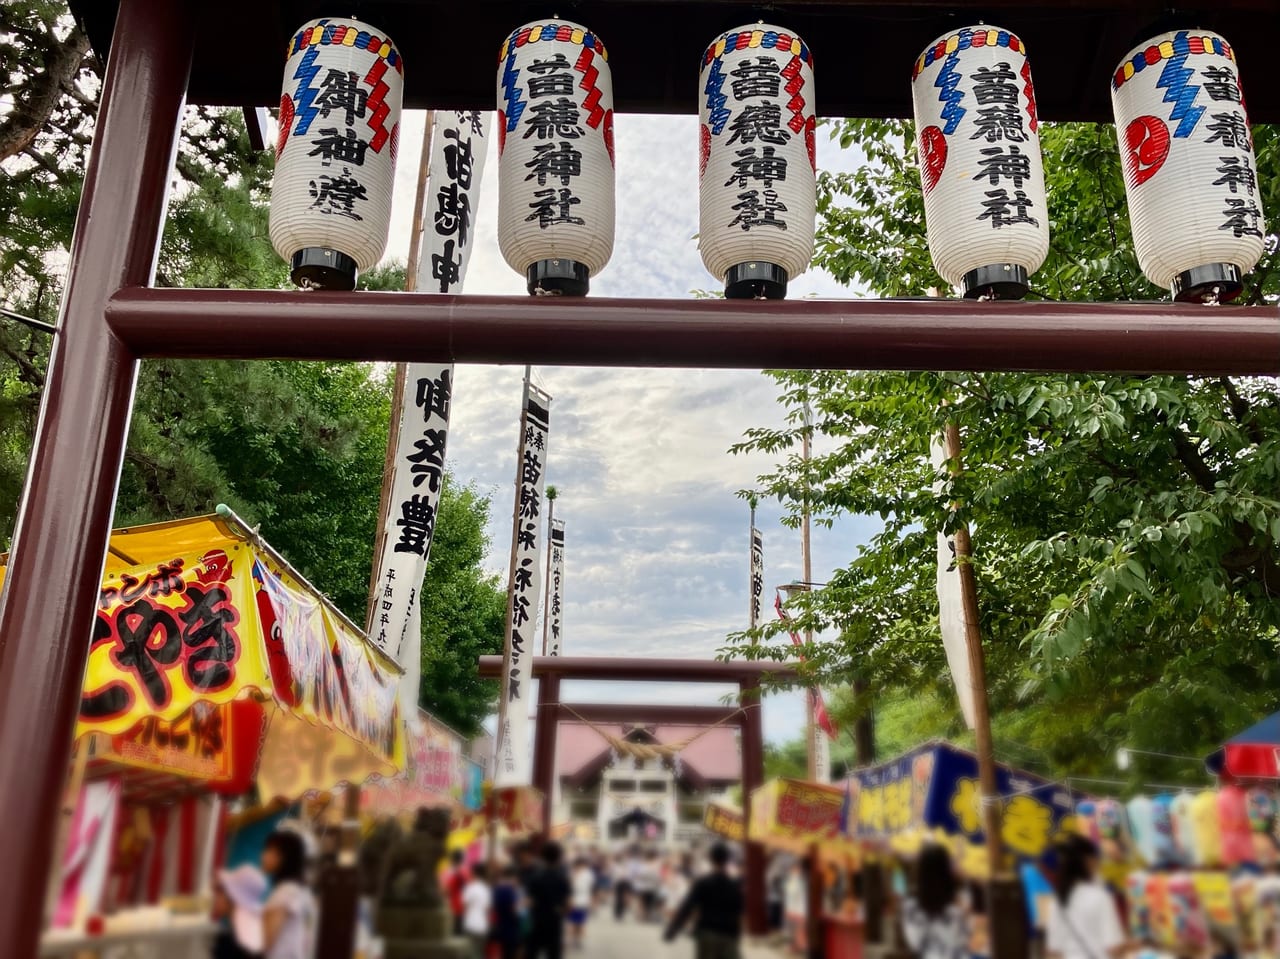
[656, 555]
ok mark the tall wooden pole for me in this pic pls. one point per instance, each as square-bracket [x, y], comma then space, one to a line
[397, 389]
[990, 799]
[806, 558]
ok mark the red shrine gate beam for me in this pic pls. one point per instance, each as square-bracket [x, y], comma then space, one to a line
[109, 319]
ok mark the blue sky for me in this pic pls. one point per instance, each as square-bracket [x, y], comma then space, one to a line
[656, 540]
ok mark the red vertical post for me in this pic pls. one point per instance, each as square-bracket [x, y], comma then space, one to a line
[544, 744]
[753, 864]
[55, 571]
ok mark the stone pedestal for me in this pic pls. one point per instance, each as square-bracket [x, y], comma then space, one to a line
[413, 919]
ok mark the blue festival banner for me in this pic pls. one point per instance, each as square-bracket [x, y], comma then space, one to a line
[935, 789]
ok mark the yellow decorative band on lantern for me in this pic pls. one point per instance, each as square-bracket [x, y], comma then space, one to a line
[1182, 45]
[756, 39]
[560, 32]
[965, 40]
[326, 34]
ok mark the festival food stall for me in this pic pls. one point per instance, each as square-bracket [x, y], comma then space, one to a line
[725, 821]
[214, 670]
[808, 820]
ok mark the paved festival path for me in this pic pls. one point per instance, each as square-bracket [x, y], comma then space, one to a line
[606, 939]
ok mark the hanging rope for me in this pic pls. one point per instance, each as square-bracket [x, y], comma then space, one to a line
[624, 747]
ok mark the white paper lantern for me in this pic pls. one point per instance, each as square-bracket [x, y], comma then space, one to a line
[555, 155]
[336, 156]
[1189, 169]
[756, 160]
[980, 167]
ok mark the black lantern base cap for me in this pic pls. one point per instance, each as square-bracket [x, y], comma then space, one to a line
[558, 278]
[755, 280]
[1000, 281]
[1213, 283]
[322, 268]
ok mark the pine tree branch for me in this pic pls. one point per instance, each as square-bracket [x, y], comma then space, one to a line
[62, 61]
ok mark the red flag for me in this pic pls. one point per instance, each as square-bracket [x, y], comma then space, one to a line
[820, 714]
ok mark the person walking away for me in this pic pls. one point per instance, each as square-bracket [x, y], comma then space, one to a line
[648, 881]
[237, 908]
[583, 882]
[717, 900]
[675, 888]
[1084, 922]
[290, 914]
[508, 923]
[549, 895]
[477, 900]
[624, 874]
[455, 880]
[934, 923]
[795, 907]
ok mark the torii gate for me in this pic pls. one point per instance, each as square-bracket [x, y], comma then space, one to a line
[112, 316]
[747, 676]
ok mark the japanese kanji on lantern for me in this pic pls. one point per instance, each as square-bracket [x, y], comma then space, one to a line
[756, 160]
[980, 167]
[1189, 169]
[555, 156]
[336, 155]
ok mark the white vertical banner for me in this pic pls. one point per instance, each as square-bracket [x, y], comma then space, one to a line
[555, 614]
[455, 167]
[951, 600]
[458, 149]
[757, 575]
[524, 590]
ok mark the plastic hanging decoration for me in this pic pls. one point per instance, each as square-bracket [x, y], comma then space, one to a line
[555, 156]
[336, 153]
[1189, 168]
[980, 166]
[756, 160]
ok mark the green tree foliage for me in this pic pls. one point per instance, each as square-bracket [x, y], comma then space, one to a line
[1126, 529]
[295, 447]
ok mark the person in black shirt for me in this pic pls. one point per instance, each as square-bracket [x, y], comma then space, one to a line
[549, 892]
[717, 899]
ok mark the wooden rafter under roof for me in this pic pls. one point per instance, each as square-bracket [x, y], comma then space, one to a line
[863, 50]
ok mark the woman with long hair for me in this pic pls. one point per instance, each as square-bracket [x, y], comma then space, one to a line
[289, 917]
[1084, 922]
[934, 922]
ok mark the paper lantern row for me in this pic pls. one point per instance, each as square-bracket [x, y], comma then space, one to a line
[1190, 172]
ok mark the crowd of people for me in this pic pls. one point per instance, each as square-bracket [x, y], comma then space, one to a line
[539, 904]
[536, 904]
